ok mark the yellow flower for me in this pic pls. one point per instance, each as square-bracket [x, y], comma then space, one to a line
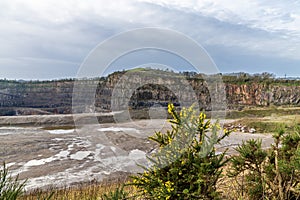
[202, 116]
[168, 185]
[170, 108]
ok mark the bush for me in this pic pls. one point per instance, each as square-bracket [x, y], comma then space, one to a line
[186, 165]
[10, 188]
[272, 173]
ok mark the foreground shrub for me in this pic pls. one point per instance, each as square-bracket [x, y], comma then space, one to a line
[10, 188]
[272, 173]
[186, 165]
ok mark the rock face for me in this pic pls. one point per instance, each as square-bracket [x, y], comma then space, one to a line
[53, 97]
[142, 91]
[260, 94]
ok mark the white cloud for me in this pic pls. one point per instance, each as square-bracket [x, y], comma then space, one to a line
[67, 30]
[271, 16]
[256, 25]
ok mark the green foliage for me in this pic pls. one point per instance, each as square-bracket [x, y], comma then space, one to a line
[251, 160]
[186, 165]
[10, 188]
[272, 173]
[264, 78]
[118, 194]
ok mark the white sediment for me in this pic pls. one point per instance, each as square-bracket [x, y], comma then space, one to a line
[118, 129]
[61, 131]
[137, 154]
[80, 155]
[34, 162]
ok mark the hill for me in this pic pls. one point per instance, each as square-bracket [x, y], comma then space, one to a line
[55, 97]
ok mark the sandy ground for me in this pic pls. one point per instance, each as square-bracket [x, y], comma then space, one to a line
[62, 157]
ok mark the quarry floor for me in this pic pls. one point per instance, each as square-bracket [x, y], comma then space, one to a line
[66, 155]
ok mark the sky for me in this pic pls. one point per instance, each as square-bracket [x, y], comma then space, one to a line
[51, 39]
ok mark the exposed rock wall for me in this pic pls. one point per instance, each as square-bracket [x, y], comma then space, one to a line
[260, 94]
[56, 96]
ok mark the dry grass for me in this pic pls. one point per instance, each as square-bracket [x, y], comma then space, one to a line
[271, 123]
[231, 188]
[83, 192]
[260, 112]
